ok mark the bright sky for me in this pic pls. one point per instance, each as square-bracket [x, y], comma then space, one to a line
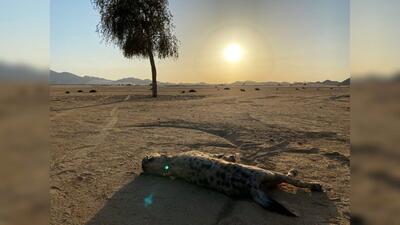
[285, 40]
[281, 40]
[278, 40]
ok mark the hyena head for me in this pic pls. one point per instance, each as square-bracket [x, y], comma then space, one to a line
[156, 164]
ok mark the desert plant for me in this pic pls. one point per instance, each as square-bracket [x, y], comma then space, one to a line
[139, 28]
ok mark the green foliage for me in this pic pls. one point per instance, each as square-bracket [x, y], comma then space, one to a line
[138, 27]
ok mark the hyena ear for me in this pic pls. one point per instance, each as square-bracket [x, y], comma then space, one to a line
[217, 155]
[269, 203]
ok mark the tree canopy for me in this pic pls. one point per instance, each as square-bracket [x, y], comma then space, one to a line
[138, 27]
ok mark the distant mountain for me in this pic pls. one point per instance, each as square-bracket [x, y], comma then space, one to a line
[137, 81]
[192, 84]
[132, 80]
[70, 78]
[345, 82]
[95, 80]
[330, 82]
[268, 83]
[247, 82]
[64, 78]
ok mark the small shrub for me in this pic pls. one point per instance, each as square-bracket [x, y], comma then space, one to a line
[67, 92]
[80, 91]
[192, 91]
[257, 89]
[242, 90]
[92, 91]
[183, 92]
[227, 88]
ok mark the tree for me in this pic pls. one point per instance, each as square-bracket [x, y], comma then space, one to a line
[141, 28]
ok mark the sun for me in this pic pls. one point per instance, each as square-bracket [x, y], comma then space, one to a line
[233, 52]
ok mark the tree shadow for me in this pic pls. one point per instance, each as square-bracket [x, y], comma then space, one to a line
[158, 200]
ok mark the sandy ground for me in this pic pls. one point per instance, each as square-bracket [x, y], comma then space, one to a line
[98, 141]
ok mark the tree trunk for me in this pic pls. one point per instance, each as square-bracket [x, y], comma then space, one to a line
[153, 74]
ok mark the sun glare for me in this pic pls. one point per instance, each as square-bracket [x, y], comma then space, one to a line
[233, 53]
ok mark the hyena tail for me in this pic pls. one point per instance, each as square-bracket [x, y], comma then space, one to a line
[269, 203]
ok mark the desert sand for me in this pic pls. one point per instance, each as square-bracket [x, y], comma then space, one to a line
[98, 141]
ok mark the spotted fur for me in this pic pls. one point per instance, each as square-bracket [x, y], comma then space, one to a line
[233, 179]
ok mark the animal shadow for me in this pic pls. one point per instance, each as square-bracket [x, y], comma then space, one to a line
[158, 200]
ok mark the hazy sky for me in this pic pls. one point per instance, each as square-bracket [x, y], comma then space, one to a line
[290, 40]
[285, 40]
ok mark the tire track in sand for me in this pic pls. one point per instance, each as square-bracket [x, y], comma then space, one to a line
[99, 138]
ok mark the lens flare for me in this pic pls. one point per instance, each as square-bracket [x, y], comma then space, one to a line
[166, 169]
[148, 200]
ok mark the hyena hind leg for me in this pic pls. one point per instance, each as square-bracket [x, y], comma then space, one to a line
[313, 186]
